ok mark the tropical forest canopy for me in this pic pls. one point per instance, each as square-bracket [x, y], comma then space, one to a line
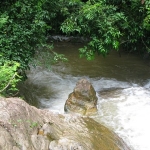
[109, 25]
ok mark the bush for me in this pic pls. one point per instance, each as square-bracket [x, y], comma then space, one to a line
[9, 77]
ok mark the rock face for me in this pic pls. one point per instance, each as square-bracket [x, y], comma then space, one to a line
[83, 99]
[24, 127]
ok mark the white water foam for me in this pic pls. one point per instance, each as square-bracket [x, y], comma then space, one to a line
[128, 116]
[125, 109]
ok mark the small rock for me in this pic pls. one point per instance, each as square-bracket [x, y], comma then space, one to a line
[83, 99]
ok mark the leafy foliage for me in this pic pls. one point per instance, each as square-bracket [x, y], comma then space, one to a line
[111, 24]
[108, 24]
[101, 23]
[9, 77]
[23, 31]
[135, 36]
[147, 18]
[23, 27]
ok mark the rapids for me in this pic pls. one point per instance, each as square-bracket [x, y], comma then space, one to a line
[122, 85]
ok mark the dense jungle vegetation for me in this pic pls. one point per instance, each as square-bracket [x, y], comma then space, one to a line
[109, 24]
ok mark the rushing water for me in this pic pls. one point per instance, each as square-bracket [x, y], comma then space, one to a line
[122, 85]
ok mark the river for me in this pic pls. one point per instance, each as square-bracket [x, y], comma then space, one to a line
[122, 85]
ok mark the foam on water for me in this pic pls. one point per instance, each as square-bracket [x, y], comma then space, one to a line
[130, 118]
[125, 108]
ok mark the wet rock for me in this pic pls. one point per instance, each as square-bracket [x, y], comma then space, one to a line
[110, 92]
[24, 127]
[83, 99]
[61, 38]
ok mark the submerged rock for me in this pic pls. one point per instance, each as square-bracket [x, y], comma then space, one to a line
[83, 99]
[24, 127]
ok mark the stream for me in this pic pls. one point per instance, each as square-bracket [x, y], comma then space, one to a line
[122, 85]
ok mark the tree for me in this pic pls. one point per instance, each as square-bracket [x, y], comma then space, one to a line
[111, 24]
[23, 31]
[136, 36]
[23, 28]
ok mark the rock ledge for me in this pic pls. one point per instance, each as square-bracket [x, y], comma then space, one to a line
[24, 127]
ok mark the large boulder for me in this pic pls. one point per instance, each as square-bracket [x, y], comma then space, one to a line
[24, 127]
[83, 99]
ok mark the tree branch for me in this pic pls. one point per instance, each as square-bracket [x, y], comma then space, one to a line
[8, 83]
